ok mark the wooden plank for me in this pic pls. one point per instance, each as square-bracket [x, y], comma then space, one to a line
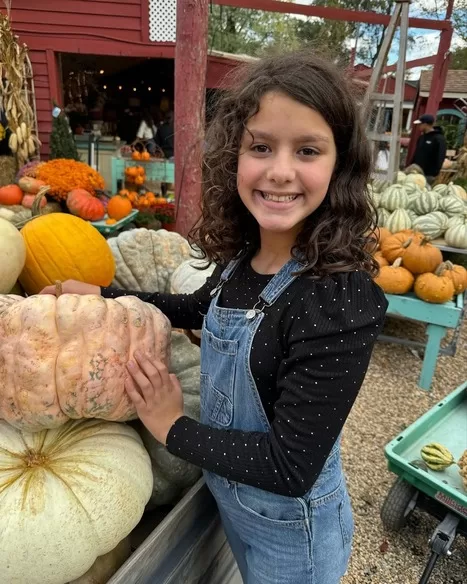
[164, 546]
[54, 81]
[40, 69]
[50, 35]
[411, 307]
[82, 21]
[76, 7]
[332, 13]
[37, 56]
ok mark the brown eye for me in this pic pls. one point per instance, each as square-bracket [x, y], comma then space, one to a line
[309, 152]
[260, 148]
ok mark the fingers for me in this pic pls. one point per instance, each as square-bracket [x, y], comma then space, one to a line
[142, 382]
[134, 394]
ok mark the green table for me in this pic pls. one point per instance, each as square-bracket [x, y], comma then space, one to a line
[438, 318]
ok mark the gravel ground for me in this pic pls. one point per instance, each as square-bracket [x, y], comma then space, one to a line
[389, 401]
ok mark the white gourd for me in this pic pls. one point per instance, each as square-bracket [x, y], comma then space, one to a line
[457, 236]
[383, 216]
[145, 259]
[12, 255]
[460, 192]
[68, 496]
[432, 225]
[415, 178]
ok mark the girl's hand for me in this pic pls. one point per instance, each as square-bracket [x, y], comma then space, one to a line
[73, 287]
[157, 395]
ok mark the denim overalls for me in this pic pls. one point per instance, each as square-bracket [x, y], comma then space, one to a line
[275, 539]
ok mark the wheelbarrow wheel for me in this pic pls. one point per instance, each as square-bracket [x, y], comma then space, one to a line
[398, 505]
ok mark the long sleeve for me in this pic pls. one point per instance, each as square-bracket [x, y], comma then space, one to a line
[330, 337]
[441, 154]
[183, 310]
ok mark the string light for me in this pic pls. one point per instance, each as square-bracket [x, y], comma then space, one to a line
[105, 86]
[163, 90]
[149, 88]
[134, 88]
[102, 71]
[120, 87]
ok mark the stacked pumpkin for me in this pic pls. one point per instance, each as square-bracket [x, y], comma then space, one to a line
[410, 204]
[65, 450]
[408, 261]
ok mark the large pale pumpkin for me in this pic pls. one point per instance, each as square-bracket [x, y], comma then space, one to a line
[12, 255]
[172, 474]
[67, 496]
[145, 259]
[65, 358]
[60, 246]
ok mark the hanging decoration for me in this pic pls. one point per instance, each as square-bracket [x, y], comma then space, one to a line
[17, 93]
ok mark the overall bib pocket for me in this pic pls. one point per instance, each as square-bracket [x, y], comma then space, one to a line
[217, 386]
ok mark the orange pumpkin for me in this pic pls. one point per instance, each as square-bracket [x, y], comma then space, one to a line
[110, 221]
[421, 257]
[382, 261]
[434, 288]
[11, 195]
[82, 204]
[395, 246]
[30, 185]
[136, 155]
[124, 193]
[395, 279]
[28, 200]
[140, 170]
[457, 274]
[119, 207]
[160, 201]
[139, 180]
[145, 155]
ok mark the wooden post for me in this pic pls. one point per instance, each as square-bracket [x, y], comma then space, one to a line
[190, 83]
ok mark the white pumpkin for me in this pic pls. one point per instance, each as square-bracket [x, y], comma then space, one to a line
[145, 259]
[418, 179]
[457, 236]
[12, 255]
[68, 496]
[460, 192]
[401, 177]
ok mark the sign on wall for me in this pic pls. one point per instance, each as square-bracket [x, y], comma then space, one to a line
[162, 20]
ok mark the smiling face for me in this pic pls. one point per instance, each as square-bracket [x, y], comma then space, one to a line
[286, 161]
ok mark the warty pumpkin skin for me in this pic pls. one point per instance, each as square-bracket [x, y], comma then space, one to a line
[421, 257]
[145, 259]
[67, 496]
[395, 279]
[62, 247]
[65, 358]
[434, 288]
[456, 273]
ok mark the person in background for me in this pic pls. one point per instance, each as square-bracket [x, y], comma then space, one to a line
[382, 158]
[165, 135]
[147, 131]
[430, 151]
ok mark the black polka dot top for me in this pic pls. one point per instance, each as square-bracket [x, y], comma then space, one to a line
[308, 359]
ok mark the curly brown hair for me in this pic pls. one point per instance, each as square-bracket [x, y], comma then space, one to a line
[337, 236]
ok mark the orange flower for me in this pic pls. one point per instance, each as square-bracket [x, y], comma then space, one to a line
[64, 175]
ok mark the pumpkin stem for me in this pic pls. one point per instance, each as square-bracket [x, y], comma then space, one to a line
[58, 288]
[440, 269]
[397, 263]
[449, 265]
[406, 244]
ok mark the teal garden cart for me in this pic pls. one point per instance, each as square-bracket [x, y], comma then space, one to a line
[442, 494]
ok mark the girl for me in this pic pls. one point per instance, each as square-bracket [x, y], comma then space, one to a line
[289, 317]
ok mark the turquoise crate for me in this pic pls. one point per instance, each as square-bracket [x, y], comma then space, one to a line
[105, 229]
[445, 423]
[156, 170]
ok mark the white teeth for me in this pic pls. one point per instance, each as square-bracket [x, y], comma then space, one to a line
[278, 199]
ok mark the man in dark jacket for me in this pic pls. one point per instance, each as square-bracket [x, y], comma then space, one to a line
[430, 151]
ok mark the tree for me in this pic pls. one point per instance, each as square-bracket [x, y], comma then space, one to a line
[62, 143]
[459, 59]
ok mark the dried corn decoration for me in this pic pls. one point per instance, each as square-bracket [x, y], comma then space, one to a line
[17, 93]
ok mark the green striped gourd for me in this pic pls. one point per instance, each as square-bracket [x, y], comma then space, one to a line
[380, 185]
[432, 224]
[443, 218]
[398, 220]
[395, 197]
[412, 214]
[446, 190]
[452, 205]
[412, 189]
[455, 221]
[417, 179]
[383, 216]
[457, 236]
[374, 195]
[425, 202]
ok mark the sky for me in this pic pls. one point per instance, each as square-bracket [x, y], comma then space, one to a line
[427, 41]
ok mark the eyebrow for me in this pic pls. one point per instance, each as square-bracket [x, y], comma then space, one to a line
[302, 139]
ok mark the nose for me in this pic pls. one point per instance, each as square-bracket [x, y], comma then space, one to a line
[281, 169]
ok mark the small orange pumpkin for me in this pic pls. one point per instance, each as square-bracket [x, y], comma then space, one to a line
[124, 192]
[110, 221]
[139, 180]
[82, 204]
[139, 170]
[434, 288]
[30, 185]
[421, 256]
[395, 279]
[396, 245]
[119, 207]
[160, 201]
[145, 155]
[457, 274]
[382, 261]
[11, 195]
[136, 155]
[28, 200]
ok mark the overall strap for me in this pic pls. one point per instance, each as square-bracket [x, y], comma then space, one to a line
[228, 271]
[281, 281]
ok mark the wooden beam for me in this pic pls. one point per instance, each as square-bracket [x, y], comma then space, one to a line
[191, 51]
[332, 13]
[364, 73]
